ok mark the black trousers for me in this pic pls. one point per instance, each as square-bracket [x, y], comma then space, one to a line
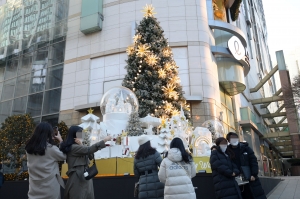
[246, 191]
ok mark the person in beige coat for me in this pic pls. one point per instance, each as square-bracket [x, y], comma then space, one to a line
[42, 162]
[176, 171]
[78, 157]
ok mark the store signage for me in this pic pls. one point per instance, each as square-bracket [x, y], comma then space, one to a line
[236, 48]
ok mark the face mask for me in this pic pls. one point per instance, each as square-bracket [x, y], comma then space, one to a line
[223, 148]
[234, 141]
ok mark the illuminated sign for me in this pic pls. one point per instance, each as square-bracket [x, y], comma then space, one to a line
[236, 48]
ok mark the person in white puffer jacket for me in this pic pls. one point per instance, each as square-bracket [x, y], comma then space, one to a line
[176, 171]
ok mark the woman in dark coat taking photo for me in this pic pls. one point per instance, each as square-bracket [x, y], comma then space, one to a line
[224, 172]
[146, 163]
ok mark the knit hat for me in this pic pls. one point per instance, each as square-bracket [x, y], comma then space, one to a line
[143, 139]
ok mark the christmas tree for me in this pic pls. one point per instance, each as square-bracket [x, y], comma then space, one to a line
[152, 73]
[90, 128]
[14, 133]
[165, 137]
[63, 129]
[134, 127]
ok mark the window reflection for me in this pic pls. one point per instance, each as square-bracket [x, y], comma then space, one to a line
[5, 108]
[8, 89]
[22, 85]
[11, 68]
[34, 106]
[54, 77]
[38, 78]
[52, 101]
[25, 66]
[19, 105]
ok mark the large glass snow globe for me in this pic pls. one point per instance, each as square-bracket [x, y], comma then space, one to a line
[215, 127]
[118, 100]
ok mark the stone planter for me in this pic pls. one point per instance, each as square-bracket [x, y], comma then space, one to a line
[295, 170]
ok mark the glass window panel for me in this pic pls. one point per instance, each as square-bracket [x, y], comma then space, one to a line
[41, 57]
[224, 110]
[19, 106]
[2, 69]
[54, 77]
[5, 109]
[230, 119]
[8, 89]
[34, 106]
[222, 95]
[52, 101]
[1, 86]
[26, 65]
[38, 80]
[229, 102]
[51, 119]
[37, 120]
[22, 85]
[11, 68]
[57, 53]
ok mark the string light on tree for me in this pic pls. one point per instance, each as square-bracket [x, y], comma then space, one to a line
[130, 50]
[162, 73]
[142, 50]
[168, 107]
[150, 65]
[152, 59]
[167, 52]
[168, 66]
[136, 38]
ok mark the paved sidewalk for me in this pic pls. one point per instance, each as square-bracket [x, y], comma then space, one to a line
[288, 188]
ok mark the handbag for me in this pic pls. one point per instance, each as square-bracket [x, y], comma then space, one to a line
[92, 171]
[240, 181]
[136, 189]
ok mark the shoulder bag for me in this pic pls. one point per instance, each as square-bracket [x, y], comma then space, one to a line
[245, 170]
[92, 171]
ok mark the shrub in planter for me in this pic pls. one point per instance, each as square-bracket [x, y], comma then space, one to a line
[295, 163]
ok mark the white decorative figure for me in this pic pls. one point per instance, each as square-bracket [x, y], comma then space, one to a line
[201, 142]
[149, 130]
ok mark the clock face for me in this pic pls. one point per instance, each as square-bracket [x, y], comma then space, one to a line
[236, 48]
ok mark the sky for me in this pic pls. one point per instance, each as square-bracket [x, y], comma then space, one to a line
[283, 26]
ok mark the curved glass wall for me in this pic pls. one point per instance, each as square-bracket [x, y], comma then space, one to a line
[32, 48]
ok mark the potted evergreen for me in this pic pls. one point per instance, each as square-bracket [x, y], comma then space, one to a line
[295, 163]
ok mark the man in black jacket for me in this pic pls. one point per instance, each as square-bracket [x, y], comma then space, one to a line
[244, 156]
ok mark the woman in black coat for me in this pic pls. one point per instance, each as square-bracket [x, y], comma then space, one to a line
[224, 172]
[146, 163]
[244, 156]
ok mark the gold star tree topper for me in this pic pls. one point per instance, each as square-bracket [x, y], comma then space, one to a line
[90, 111]
[148, 11]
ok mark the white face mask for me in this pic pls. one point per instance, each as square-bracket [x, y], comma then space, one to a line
[234, 141]
[223, 148]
